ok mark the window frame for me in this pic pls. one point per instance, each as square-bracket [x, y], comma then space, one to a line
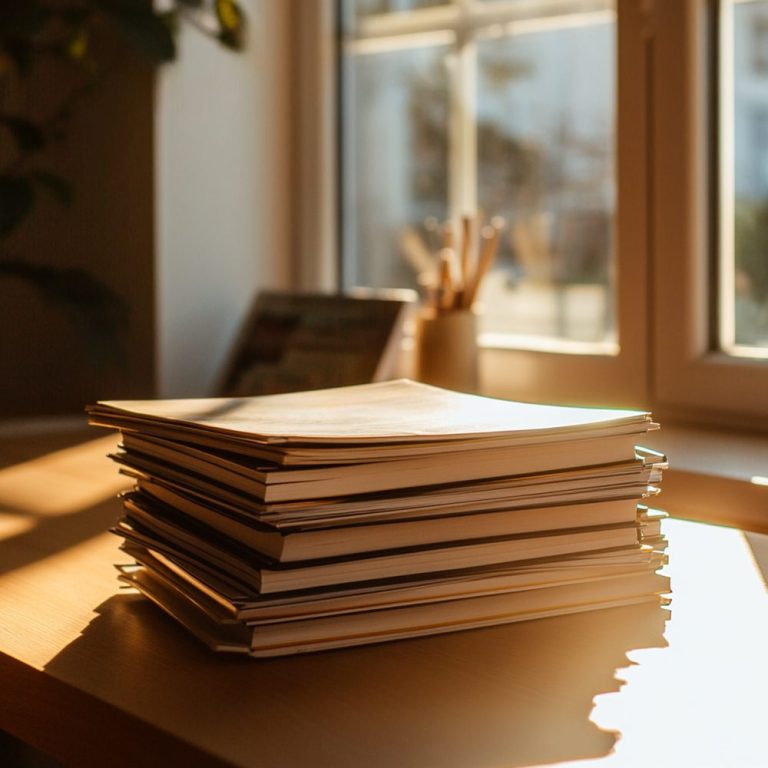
[612, 379]
[313, 166]
[664, 235]
[692, 380]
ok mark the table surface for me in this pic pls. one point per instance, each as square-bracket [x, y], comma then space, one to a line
[94, 675]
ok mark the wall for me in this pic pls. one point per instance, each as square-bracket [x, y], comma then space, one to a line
[222, 138]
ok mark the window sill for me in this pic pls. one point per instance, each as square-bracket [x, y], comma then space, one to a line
[714, 476]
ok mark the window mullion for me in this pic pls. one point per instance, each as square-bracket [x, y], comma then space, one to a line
[463, 131]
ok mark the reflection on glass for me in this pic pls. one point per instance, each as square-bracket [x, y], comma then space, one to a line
[545, 128]
[395, 147]
[746, 310]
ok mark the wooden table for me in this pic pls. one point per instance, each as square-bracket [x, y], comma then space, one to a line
[96, 676]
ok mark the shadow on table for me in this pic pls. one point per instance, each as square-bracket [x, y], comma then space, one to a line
[53, 535]
[55, 493]
[513, 695]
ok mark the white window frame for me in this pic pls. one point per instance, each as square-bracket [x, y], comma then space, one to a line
[691, 381]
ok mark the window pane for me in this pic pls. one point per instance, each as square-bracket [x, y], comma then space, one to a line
[746, 276]
[395, 165]
[510, 113]
[545, 139]
[355, 12]
[373, 7]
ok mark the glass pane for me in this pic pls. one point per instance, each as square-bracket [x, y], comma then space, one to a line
[545, 142]
[395, 162]
[374, 7]
[747, 274]
[353, 12]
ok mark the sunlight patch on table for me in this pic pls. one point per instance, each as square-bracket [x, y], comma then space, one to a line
[688, 693]
[61, 482]
[74, 582]
[14, 525]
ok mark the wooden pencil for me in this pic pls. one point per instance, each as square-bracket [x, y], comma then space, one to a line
[490, 236]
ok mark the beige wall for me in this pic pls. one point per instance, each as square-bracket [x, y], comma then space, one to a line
[222, 194]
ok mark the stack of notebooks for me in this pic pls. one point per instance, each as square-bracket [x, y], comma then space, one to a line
[313, 520]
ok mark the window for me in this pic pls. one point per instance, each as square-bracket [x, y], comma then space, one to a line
[709, 354]
[502, 108]
[624, 142]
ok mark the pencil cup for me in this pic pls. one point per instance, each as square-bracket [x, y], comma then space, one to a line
[445, 348]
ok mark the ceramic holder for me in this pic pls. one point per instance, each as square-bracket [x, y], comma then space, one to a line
[445, 348]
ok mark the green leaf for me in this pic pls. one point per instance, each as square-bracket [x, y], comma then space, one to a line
[98, 313]
[231, 39]
[17, 198]
[232, 24]
[142, 28]
[56, 185]
[76, 47]
[171, 20]
[27, 135]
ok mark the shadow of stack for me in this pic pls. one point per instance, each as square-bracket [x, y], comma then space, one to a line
[512, 695]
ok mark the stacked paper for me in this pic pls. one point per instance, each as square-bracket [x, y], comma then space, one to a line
[297, 522]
